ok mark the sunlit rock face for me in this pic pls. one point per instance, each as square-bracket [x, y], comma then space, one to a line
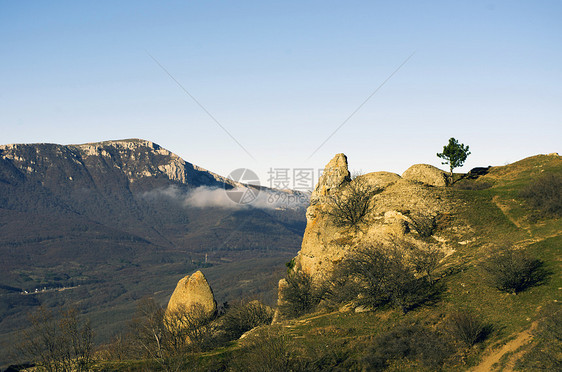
[193, 290]
[427, 174]
[399, 198]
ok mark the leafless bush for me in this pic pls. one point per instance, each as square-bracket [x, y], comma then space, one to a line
[300, 296]
[243, 317]
[58, 343]
[426, 260]
[513, 270]
[268, 352]
[468, 327]
[375, 275]
[189, 328]
[349, 206]
[419, 345]
[545, 193]
[166, 336]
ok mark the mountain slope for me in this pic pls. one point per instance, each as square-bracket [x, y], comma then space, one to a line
[110, 222]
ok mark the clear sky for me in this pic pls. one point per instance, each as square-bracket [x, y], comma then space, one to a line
[281, 76]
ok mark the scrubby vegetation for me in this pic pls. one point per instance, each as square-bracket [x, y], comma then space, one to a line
[409, 345]
[243, 317]
[300, 296]
[376, 275]
[424, 224]
[468, 327]
[58, 341]
[545, 193]
[513, 270]
[349, 207]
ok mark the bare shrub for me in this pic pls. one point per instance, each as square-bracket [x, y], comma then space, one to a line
[268, 352]
[349, 206]
[419, 345]
[168, 336]
[300, 296]
[58, 342]
[243, 317]
[119, 348]
[512, 270]
[545, 193]
[375, 275]
[424, 224]
[189, 328]
[426, 260]
[468, 327]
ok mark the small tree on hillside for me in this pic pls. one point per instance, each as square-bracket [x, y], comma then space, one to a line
[454, 154]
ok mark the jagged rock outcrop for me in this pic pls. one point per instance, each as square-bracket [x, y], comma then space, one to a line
[427, 174]
[192, 290]
[325, 244]
[335, 174]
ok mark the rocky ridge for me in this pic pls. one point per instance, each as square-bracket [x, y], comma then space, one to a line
[135, 158]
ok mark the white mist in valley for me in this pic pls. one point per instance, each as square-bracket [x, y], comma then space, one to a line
[213, 197]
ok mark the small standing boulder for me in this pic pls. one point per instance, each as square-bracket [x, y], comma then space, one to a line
[192, 290]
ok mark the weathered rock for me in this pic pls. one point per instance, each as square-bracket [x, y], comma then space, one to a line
[380, 179]
[335, 174]
[477, 172]
[192, 290]
[283, 285]
[427, 174]
[325, 244]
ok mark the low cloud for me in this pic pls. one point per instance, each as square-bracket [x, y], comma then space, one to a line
[208, 197]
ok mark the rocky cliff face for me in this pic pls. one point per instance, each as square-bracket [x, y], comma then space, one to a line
[413, 195]
[131, 160]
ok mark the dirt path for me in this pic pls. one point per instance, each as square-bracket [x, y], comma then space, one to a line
[495, 356]
[505, 210]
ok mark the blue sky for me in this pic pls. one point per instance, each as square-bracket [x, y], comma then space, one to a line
[281, 76]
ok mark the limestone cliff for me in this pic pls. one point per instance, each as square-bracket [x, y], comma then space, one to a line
[136, 159]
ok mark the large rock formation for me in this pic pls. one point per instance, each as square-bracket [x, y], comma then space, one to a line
[325, 244]
[192, 291]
